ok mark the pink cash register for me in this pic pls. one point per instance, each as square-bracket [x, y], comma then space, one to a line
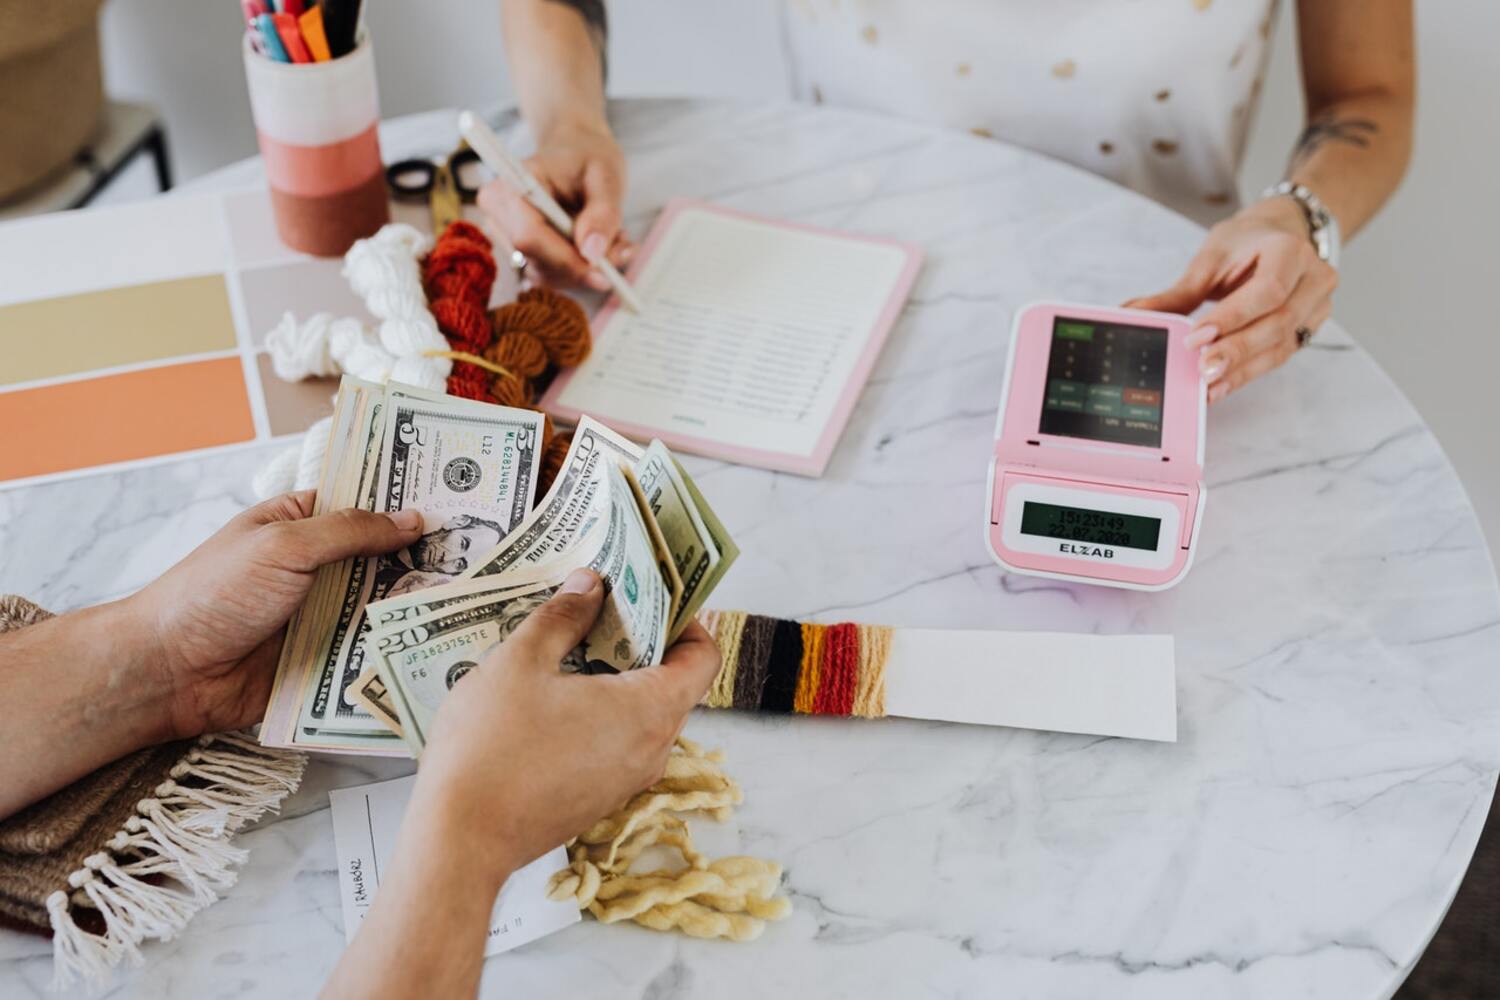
[1097, 473]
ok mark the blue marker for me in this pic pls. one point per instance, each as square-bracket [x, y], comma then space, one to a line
[270, 40]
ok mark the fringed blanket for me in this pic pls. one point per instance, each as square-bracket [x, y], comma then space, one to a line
[132, 851]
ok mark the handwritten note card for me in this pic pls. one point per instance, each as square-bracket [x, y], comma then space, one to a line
[365, 821]
[755, 339]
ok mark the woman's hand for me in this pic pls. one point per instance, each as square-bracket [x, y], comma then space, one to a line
[1269, 281]
[523, 756]
[583, 168]
[217, 618]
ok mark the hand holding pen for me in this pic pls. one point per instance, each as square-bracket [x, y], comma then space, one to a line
[584, 170]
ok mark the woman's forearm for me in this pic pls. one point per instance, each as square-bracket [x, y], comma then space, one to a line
[79, 691]
[1353, 154]
[556, 61]
[1359, 78]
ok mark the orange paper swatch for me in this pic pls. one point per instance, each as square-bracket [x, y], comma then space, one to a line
[118, 418]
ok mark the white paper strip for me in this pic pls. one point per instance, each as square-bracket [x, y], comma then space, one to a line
[365, 821]
[1105, 685]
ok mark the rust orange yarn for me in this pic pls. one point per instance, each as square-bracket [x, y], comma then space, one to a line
[526, 338]
[519, 352]
[552, 318]
[511, 390]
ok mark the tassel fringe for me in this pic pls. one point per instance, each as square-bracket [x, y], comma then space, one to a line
[172, 858]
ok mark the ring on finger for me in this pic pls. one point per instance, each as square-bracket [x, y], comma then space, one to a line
[518, 263]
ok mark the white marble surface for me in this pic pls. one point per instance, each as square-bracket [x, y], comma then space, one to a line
[1339, 703]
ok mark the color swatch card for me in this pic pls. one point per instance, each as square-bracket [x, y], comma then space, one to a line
[136, 334]
[755, 339]
[365, 821]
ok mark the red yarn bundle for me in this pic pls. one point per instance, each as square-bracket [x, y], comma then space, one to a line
[540, 331]
[457, 276]
[840, 670]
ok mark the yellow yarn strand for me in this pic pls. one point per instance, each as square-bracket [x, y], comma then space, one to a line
[729, 628]
[874, 648]
[810, 672]
[727, 898]
[472, 359]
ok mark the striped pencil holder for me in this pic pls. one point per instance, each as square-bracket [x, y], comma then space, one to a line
[317, 124]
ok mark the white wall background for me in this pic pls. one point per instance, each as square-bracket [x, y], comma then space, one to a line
[1417, 286]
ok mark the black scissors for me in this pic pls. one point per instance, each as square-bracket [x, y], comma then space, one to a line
[441, 184]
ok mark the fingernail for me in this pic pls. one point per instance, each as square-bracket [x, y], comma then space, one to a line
[594, 246]
[1218, 392]
[626, 254]
[1212, 368]
[406, 520]
[1202, 335]
[596, 281]
[580, 581]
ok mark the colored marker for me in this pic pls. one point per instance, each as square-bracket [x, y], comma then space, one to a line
[292, 7]
[253, 9]
[270, 40]
[340, 20]
[311, 23]
[291, 37]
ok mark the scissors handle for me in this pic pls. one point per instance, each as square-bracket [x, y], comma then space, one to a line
[463, 157]
[411, 180]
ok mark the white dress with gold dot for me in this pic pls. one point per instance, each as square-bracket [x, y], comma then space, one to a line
[1157, 95]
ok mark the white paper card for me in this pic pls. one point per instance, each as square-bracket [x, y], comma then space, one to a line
[749, 337]
[365, 821]
[1103, 685]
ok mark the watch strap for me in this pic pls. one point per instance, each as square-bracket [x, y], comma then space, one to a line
[1322, 227]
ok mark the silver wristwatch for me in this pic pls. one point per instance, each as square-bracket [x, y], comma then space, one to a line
[1322, 227]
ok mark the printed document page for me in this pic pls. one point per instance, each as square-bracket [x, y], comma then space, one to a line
[752, 334]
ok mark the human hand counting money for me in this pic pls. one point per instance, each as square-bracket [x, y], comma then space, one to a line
[192, 653]
[526, 756]
[520, 760]
[218, 615]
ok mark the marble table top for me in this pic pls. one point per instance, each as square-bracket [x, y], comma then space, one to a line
[1339, 701]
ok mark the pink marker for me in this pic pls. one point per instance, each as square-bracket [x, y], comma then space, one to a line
[253, 9]
[1097, 472]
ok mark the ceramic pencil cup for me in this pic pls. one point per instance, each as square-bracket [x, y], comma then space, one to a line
[318, 129]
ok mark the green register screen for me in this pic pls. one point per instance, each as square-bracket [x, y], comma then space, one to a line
[1105, 382]
[1076, 524]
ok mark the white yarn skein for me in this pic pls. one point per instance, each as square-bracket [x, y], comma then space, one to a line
[296, 468]
[310, 457]
[302, 352]
[382, 270]
[278, 475]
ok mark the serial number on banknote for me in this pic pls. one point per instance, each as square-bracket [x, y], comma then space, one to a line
[437, 648]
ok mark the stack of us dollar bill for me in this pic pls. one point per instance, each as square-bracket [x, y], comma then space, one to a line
[380, 641]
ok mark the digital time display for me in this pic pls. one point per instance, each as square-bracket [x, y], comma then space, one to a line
[1097, 527]
[1105, 382]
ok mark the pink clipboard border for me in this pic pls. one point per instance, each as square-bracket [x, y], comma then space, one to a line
[802, 465]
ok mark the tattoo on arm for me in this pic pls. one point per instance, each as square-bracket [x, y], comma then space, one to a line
[597, 21]
[1330, 128]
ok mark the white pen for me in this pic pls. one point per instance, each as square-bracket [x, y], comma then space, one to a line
[492, 151]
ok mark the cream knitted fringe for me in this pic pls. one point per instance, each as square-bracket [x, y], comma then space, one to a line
[178, 838]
